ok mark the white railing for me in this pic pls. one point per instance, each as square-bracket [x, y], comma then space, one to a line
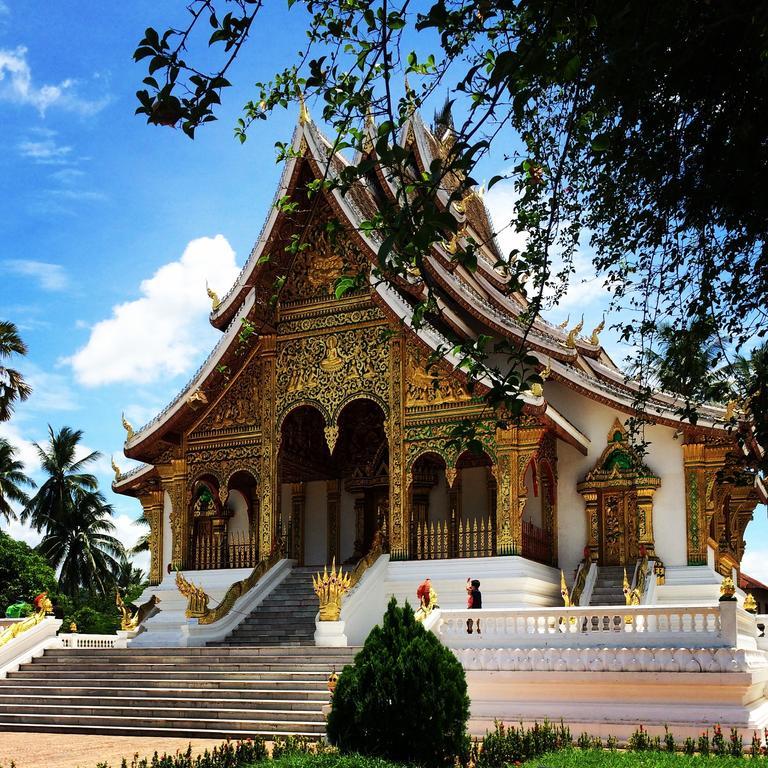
[723, 625]
[76, 640]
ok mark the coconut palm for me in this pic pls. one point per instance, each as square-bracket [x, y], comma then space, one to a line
[80, 545]
[129, 578]
[13, 388]
[54, 499]
[142, 545]
[12, 481]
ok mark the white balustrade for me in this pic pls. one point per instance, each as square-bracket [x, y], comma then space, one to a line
[76, 640]
[721, 625]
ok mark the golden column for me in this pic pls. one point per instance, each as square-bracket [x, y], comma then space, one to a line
[515, 447]
[173, 477]
[593, 524]
[333, 507]
[398, 527]
[270, 440]
[701, 462]
[644, 500]
[151, 500]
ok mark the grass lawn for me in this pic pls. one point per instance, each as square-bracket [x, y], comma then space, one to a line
[596, 758]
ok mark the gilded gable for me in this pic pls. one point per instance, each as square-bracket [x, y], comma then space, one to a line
[238, 406]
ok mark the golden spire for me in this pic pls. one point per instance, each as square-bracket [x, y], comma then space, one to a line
[128, 429]
[304, 116]
[595, 337]
[116, 470]
[573, 333]
[565, 322]
[213, 296]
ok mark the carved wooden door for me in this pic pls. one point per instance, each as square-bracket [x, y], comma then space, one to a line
[618, 527]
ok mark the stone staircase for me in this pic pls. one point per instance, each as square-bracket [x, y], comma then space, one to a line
[286, 617]
[608, 589]
[187, 692]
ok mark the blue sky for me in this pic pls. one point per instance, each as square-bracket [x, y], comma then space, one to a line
[109, 228]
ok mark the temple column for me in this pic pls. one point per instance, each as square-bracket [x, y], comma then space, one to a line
[398, 527]
[453, 478]
[593, 524]
[152, 503]
[269, 491]
[333, 511]
[173, 477]
[701, 462]
[644, 502]
[298, 502]
[516, 446]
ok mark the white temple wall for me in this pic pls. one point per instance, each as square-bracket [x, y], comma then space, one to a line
[474, 493]
[238, 524]
[346, 525]
[316, 523]
[664, 457]
[167, 551]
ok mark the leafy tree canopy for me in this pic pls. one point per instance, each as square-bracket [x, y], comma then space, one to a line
[24, 573]
[13, 388]
[638, 129]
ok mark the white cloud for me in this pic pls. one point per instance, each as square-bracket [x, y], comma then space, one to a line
[163, 333]
[50, 277]
[45, 152]
[17, 86]
[501, 200]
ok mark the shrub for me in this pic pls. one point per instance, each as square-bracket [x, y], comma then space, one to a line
[719, 747]
[689, 747]
[639, 741]
[504, 745]
[404, 698]
[612, 744]
[669, 740]
[703, 743]
[736, 743]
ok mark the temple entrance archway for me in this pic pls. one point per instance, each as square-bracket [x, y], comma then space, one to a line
[334, 482]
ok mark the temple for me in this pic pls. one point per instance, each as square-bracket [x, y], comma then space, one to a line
[316, 423]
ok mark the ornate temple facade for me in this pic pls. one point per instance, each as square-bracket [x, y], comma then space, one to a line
[317, 421]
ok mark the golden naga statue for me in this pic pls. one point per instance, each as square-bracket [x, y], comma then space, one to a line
[537, 390]
[562, 326]
[727, 589]
[564, 592]
[44, 607]
[570, 342]
[213, 296]
[632, 596]
[595, 337]
[128, 622]
[197, 598]
[330, 588]
[116, 470]
[129, 431]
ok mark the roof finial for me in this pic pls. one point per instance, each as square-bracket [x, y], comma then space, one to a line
[304, 116]
[565, 322]
[570, 342]
[128, 429]
[116, 470]
[213, 296]
[595, 337]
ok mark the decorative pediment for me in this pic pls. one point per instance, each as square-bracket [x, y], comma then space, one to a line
[238, 406]
[430, 386]
[619, 464]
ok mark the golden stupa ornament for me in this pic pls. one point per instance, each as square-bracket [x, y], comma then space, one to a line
[116, 470]
[129, 432]
[594, 339]
[570, 342]
[304, 116]
[750, 604]
[213, 296]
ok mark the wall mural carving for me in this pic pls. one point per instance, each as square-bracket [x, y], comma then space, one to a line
[238, 407]
[430, 386]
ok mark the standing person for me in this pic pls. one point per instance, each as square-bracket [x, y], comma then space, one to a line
[474, 596]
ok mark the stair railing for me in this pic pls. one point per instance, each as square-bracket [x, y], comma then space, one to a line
[198, 598]
[581, 580]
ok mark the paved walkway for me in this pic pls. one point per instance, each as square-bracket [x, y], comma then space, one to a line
[56, 750]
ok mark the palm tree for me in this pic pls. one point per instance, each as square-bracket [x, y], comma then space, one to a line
[12, 384]
[129, 577]
[80, 545]
[54, 500]
[142, 545]
[12, 481]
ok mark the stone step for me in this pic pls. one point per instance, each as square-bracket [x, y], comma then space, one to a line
[95, 708]
[193, 653]
[169, 675]
[59, 694]
[224, 667]
[203, 727]
[221, 658]
[316, 683]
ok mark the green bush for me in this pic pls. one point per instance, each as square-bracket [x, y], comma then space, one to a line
[504, 745]
[92, 622]
[404, 698]
[24, 573]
